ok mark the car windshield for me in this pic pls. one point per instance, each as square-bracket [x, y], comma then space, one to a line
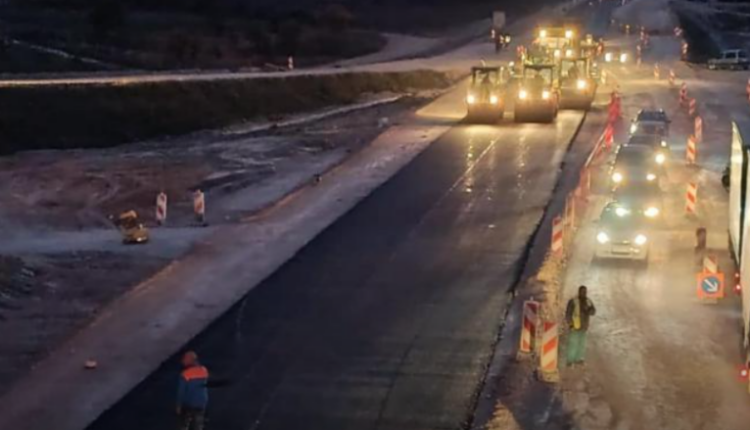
[633, 155]
[618, 216]
[645, 140]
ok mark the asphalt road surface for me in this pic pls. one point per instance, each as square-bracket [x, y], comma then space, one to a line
[387, 319]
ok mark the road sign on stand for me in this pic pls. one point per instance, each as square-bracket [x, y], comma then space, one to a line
[710, 286]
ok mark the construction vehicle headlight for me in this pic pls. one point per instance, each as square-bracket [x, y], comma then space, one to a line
[602, 237]
[523, 94]
[581, 84]
[569, 53]
[557, 53]
[568, 34]
[663, 143]
[471, 99]
[494, 99]
[545, 95]
[623, 58]
[633, 128]
[543, 33]
[608, 57]
[507, 39]
[652, 212]
[650, 177]
[617, 177]
[640, 240]
[660, 158]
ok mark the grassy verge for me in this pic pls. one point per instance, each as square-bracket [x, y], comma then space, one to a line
[95, 117]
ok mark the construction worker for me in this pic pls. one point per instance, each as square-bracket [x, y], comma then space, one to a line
[192, 393]
[578, 313]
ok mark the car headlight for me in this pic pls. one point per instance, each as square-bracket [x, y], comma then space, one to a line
[633, 128]
[617, 177]
[608, 57]
[581, 84]
[640, 240]
[660, 158]
[650, 177]
[621, 212]
[623, 58]
[523, 94]
[602, 237]
[652, 212]
[545, 95]
[568, 34]
[471, 99]
[494, 99]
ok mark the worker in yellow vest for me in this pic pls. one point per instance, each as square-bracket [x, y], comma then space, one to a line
[578, 313]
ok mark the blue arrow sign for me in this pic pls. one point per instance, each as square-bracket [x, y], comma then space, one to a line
[711, 284]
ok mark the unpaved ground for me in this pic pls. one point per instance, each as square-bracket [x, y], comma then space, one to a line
[65, 260]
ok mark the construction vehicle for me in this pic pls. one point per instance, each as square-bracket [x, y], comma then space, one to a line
[577, 83]
[537, 98]
[558, 36]
[132, 229]
[485, 97]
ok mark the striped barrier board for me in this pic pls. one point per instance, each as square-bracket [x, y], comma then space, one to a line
[691, 198]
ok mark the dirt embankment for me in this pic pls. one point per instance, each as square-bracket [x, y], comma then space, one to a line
[63, 117]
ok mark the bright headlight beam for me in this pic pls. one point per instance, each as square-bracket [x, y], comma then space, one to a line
[652, 212]
[523, 94]
[617, 177]
[545, 95]
[581, 84]
[470, 99]
[660, 158]
[640, 240]
[602, 237]
[650, 177]
[494, 99]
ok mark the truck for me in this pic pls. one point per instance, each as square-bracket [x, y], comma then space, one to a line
[500, 38]
[739, 219]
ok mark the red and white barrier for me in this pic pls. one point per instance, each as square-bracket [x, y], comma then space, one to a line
[557, 235]
[691, 154]
[698, 126]
[614, 107]
[290, 63]
[692, 107]
[529, 326]
[747, 89]
[548, 360]
[657, 72]
[672, 77]
[161, 208]
[691, 198]
[711, 264]
[199, 206]
[604, 77]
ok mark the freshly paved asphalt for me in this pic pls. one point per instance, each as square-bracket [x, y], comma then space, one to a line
[387, 319]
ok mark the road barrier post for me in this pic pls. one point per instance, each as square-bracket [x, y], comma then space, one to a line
[290, 63]
[548, 360]
[657, 72]
[557, 235]
[199, 206]
[691, 198]
[529, 328]
[683, 94]
[672, 77]
[711, 264]
[570, 211]
[747, 89]
[161, 208]
[698, 126]
[692, 151]
[701, 237]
